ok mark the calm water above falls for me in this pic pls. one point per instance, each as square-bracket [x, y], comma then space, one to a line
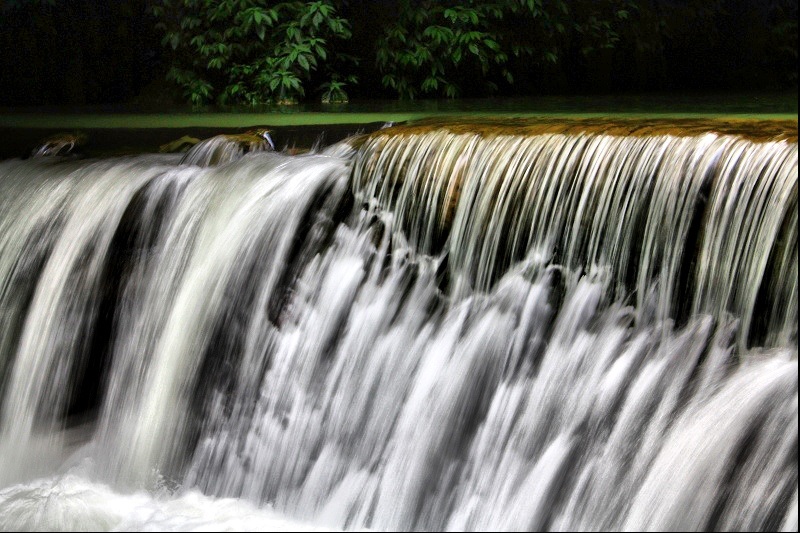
[432, 330]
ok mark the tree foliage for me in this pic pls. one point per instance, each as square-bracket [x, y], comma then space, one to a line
[441, 47]
[253, 51]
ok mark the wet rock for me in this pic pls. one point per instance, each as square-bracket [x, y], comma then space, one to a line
[61, 144]
[179, 145]
[229, 147]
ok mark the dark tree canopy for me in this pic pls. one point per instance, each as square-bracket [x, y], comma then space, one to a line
[75, 51]
[265, 51]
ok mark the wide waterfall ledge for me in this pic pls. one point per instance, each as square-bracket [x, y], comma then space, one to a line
[508, 325]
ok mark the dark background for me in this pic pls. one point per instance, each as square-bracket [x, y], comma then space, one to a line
[79, 52]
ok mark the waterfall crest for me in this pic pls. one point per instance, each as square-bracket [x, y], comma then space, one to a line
[690, 217]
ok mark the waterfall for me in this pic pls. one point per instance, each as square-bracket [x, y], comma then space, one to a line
[425, 328]
[705, 221]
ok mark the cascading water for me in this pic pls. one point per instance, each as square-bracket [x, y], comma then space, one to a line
[429, 328]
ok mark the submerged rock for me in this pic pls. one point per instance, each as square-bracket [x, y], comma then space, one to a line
[179, 145]
[60, 144]
[228, 147]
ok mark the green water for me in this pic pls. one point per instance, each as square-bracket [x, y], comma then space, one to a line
[745, 106]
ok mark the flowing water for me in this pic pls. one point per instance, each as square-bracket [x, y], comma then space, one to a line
[415, 330]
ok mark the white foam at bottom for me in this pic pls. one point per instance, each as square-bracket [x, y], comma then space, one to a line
[73, 503]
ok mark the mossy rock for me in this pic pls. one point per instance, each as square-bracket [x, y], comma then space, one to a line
[179, 145]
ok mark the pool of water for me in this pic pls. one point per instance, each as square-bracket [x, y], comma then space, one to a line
[768, 105]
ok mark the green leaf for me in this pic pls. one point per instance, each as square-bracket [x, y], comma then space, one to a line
[301, 59]
[389, 81]
[430, 84]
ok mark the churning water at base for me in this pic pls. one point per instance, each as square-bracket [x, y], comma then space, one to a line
[430, 331]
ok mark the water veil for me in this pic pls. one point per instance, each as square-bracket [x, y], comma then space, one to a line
[561, 326]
